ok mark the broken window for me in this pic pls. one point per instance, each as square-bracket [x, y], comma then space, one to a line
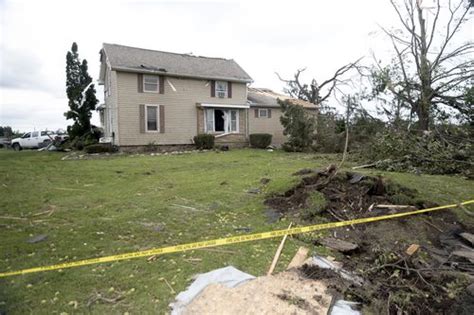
[222, 120]
[219, 120]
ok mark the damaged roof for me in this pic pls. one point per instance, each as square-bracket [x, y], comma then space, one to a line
[132, 59]
[262, 97]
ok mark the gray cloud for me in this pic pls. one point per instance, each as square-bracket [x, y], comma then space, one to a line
[20, 70]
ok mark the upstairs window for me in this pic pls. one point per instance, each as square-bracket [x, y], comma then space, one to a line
[150, 83]
[262, 113]
[221, 89]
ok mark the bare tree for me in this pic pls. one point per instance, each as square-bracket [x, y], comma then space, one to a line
[315, 93]
[428, 72]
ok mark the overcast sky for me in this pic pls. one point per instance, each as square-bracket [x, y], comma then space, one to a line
[264, 37]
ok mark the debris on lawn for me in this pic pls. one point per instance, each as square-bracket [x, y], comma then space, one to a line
[412, 249]
[272, 215]
[468, 237]
[243, 229]
[337, 244]
[254, 191]
[112, 298]
[37, 239]
[416, 264]
[299, 258]
[278, 252]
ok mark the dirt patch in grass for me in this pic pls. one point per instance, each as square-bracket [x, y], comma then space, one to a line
[284, 293]
[429, 280]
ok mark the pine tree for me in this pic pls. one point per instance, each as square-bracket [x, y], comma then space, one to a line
[81, 94]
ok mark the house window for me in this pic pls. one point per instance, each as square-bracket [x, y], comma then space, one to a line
[150, 83]
[209, 120]
[233, 121]
[222, 120]
[151, 118]
[262, 113]
[221, 89]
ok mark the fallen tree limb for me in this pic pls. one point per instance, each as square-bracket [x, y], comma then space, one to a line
[364, 166]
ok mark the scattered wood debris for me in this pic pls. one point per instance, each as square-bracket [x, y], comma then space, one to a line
[412, 249]
[338, 244]
[277, 254]
[299, 258]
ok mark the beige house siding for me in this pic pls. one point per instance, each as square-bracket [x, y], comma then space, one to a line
[271, 125]
[181, 112]
[268, 125]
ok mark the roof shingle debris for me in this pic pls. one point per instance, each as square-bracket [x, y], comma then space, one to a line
[263, 97]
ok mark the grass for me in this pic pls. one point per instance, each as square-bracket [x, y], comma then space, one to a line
[135, 202]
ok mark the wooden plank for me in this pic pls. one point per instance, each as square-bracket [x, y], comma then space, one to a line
[299, 258]
[468, 237]
[277, 254]
[337, 244]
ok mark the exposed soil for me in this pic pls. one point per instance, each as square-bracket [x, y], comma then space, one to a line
[430, 280]
[284, 293]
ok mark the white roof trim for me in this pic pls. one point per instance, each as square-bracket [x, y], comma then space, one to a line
[224, 105]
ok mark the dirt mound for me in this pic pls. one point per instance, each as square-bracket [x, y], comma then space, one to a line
[431, 277]
[348, 195]
[284, 293]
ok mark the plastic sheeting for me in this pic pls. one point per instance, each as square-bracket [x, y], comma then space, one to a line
[228, 276]
[342, 307]
[327, 264]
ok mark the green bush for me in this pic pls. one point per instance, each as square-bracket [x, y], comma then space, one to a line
[260, 140]
[204, 141]
[100, 148]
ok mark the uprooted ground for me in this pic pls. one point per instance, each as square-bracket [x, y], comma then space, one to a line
[417, 265]
[54, 211]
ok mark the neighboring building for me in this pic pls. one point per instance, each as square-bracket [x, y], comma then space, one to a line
[265, 113]
[162, 98]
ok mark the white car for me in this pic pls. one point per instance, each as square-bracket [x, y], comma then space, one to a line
[34, 139]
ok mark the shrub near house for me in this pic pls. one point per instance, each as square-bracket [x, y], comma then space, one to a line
[260, 140]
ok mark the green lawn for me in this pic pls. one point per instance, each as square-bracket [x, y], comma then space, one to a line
[131, 202]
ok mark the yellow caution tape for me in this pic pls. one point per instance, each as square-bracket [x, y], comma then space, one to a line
[224, 241]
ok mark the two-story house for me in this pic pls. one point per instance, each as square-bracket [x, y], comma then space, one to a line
[163, 98]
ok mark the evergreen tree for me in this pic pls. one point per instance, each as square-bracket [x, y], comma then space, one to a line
[299, 126]
[81, 94]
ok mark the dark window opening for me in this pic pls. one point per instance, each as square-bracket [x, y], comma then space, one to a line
[219, 120]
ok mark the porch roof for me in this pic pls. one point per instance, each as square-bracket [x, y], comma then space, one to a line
[223, 105]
